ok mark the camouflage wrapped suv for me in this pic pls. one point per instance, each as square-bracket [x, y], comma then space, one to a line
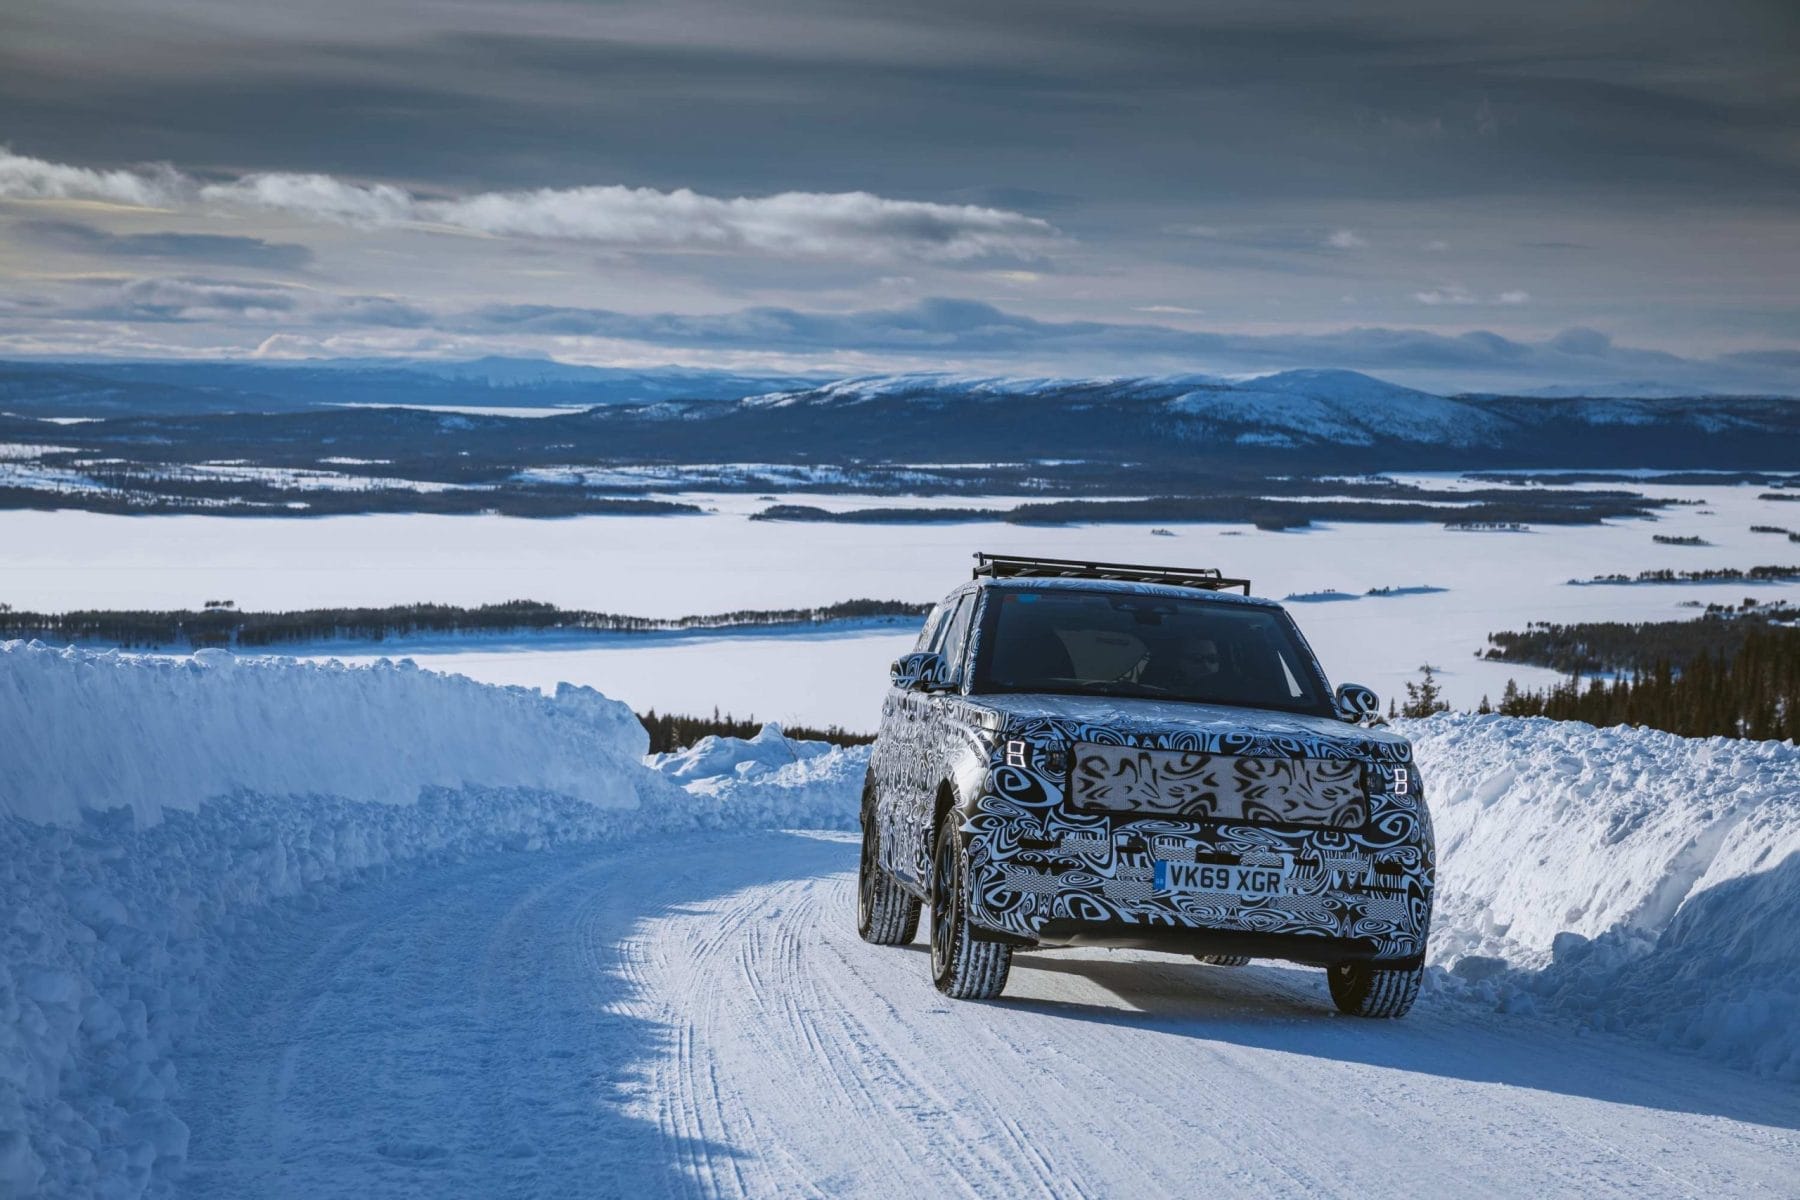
[1094, 754]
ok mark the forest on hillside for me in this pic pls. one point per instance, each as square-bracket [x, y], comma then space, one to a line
[1730, 673]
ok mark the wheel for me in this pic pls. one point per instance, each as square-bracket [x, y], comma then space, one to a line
[1362, 989]
[1223, 960]
[886, 913]
[962, 968]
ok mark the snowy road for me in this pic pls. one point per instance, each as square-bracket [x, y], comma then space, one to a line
[700, 1018]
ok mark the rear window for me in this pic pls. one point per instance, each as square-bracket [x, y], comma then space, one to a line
[1127, 644]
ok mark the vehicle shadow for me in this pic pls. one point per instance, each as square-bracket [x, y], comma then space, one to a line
[1289, 1010]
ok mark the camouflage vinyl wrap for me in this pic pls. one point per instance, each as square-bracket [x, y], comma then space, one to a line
[1033, 857]
[1358, 862]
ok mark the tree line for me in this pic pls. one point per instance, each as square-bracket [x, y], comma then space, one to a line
[1731, 673]
[1754, 693]
[1559, 509]
[1765, 574]
[1593, 647]
[224, 626]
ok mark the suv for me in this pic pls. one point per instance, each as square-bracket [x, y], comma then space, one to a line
[1095, 754]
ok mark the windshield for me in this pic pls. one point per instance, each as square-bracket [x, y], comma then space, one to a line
[1100, 643]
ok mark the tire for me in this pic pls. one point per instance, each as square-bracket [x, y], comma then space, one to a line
[1361, 989]
[1223, 960]
[886, 914]
[962, 968]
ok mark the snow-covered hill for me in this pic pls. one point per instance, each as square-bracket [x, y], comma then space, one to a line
[167, 828]
[1300, 410]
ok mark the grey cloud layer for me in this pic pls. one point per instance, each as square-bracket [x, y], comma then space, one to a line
[1312, 97]
[1528, 166]
[964, 330]
[951, 333]
[854, 225]
[82, 238]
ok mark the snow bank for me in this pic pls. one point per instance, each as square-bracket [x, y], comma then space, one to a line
[714, 755]
[1643, 882]
[150, 809]
[772, 778]
[109, 730]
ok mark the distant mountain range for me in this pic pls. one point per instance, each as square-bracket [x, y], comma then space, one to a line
[104, 388]
[1167, 427]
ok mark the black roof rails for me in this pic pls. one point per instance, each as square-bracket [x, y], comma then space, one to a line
[1008, 566]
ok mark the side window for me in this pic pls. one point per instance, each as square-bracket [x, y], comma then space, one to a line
[956, 635]
[934, 625]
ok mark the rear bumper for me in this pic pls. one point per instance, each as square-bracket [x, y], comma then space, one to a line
[1319, 951]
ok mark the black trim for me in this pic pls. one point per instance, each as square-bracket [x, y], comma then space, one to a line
[1187, 939]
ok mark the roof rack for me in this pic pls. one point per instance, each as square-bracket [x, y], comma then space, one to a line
[1008, 566]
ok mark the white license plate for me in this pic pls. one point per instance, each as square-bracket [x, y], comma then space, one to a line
[1182, 877]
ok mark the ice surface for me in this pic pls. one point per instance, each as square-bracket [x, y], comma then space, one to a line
[671, 566]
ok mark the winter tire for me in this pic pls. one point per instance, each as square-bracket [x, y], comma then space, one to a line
[1363, 989]
[1224, 960]
[885, 913]
[962, 968]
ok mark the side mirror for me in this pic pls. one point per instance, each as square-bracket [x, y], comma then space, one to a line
[1354, 702]
[923, 671]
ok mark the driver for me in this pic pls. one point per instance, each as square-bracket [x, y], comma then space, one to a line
[1190, 663]
[1199, 659]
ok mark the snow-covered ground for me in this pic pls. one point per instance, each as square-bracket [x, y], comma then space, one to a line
[284, 930]
[672, 566]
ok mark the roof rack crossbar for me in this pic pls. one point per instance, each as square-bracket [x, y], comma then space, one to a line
[1008, 566]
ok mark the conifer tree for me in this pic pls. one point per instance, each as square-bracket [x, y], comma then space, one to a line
[1425, 698]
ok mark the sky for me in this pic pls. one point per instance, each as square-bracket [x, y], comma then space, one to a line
[1451, 195]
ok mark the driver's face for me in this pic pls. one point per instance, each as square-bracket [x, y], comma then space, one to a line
[1200, 658]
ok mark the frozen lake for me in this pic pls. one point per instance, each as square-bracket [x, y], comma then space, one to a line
[671, 566]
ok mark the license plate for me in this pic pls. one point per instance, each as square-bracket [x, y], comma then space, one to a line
[1182, 877]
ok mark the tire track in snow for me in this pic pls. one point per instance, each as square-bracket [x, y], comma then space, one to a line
[1106, 1073]
[697, 1017]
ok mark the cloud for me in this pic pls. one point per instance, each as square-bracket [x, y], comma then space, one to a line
[188, 299]
[23, 178]
[1457, 294]
[195, 247]
[1346, 239]
[316, 197]
[191, 299]
[947, 330]
[939, 333]
[972, 330]
[1454, 293]
[854, 225]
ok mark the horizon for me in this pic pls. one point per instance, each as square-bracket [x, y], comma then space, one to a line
[1644, 389]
